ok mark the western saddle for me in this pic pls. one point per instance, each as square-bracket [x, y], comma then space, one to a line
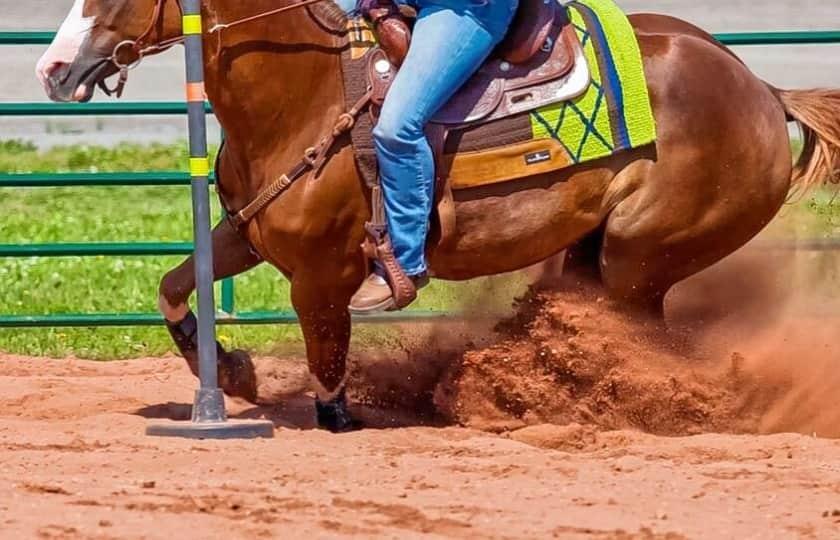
[540, 48]
[532, 67]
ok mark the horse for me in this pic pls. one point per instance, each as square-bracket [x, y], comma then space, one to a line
[638, 222]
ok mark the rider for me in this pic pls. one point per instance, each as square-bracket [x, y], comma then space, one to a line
[451, 39]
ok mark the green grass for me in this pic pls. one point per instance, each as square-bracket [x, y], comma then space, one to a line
[21, 157]
[129, 284]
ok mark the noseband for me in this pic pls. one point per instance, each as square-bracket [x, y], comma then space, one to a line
[313, 158]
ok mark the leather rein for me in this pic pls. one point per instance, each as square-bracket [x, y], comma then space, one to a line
[140, 49]
[313, 158]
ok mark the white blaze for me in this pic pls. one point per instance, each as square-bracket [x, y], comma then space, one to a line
[65, 47]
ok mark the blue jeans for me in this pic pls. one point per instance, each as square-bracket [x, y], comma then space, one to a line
[451, 40]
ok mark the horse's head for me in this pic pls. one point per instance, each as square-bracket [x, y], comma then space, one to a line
[98, 37]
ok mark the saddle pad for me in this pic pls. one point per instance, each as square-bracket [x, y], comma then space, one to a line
[612, 115]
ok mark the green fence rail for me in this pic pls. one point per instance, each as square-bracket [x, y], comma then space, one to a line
[96, 249]
[153, 319]
[807, 37]
[228, 314]
[803, 37]
[159, 108]
[96, 179]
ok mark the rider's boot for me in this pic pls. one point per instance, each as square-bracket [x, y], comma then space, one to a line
[388, 288]
[376, 295]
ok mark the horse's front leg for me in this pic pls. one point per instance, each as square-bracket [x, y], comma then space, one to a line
[321, 305]
[232, 255]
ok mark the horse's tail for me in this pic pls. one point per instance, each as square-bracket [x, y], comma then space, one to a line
[818, 113]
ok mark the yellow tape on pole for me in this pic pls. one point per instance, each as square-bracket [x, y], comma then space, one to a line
[199, 166]
[191, 24]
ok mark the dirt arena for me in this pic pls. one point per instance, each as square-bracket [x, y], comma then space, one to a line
[566, 421]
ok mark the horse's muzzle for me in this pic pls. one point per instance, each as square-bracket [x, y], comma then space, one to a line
[76, 81]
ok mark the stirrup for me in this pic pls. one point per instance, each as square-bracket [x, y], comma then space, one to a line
[377, 247]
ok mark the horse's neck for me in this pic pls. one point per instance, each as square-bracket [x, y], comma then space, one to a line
[274, 83]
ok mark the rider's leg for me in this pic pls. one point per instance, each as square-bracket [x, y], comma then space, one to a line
[449, 44]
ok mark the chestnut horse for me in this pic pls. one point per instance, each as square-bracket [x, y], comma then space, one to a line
[639, 221]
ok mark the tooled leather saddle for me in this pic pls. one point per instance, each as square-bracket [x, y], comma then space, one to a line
[540, 62]
[528, 69]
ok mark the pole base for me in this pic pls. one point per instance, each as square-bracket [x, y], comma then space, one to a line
[231, 429]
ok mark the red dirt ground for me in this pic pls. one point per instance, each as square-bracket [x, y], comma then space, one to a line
[75, 464]
[569, 421]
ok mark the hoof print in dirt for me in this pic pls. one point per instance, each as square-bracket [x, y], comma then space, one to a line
[334, 416]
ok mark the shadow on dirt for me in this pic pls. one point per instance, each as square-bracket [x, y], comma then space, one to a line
[294, 412]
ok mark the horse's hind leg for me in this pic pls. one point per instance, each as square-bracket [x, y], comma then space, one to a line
[232, 255]
[720, 175]
[576, 266]
[658, 236]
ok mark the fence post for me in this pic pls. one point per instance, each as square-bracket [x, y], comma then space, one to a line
[209, 420]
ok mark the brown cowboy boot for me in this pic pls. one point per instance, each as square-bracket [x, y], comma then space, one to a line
[375, 294]
[391, 288]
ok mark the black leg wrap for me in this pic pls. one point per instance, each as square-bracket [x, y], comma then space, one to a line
[334, 416]
[236, 371]
[185, 335]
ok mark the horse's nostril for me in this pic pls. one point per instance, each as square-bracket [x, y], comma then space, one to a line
[57, 72]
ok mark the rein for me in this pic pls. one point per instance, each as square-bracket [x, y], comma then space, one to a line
[277, 11]
[313, 158]
[140, 49]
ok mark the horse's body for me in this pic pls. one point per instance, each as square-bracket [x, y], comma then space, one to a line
[639, 221]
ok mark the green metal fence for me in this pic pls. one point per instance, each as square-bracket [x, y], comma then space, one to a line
[228, 314]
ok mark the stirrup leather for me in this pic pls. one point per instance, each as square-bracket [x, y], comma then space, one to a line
[377, 247]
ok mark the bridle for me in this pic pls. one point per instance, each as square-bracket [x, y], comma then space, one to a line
[140, 48]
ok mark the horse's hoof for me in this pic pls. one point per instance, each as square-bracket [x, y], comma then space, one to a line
[334, 416]
[236, 373]
[237, 376]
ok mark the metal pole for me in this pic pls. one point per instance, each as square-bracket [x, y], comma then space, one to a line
[208, 416]
[209, 402]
